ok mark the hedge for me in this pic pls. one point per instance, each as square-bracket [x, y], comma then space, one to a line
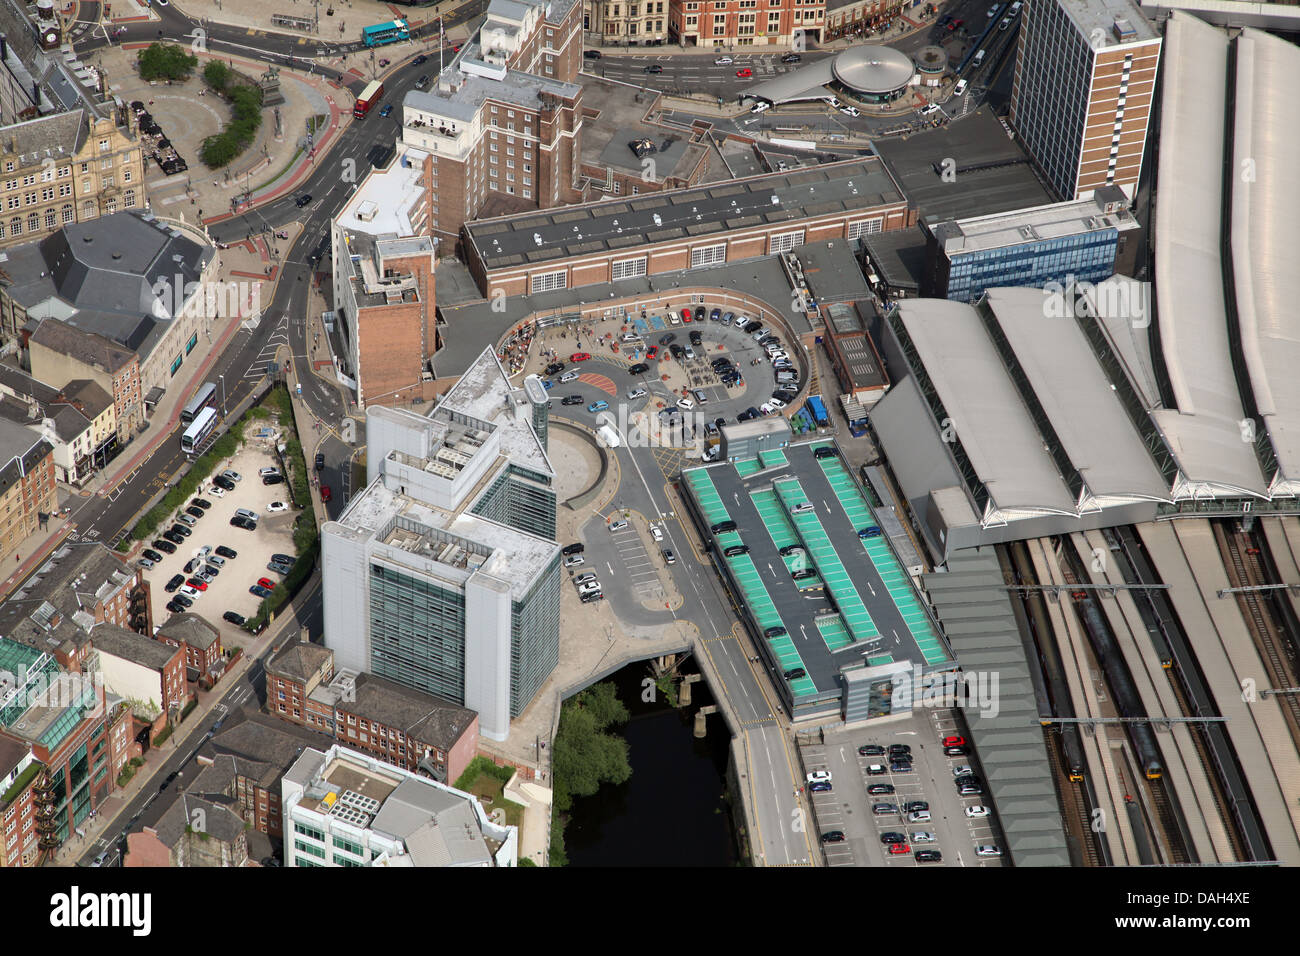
[224, 447]
[302, 569]
[246, 103]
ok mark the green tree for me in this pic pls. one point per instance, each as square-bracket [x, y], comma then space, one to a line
[585, 756]
[166, 61]
[217, 75]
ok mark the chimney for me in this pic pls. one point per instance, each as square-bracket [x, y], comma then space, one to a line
[4, 48]
[304, 635]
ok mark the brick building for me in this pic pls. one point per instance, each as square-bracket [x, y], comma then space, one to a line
[78, 420]
[627, 22]
[635, 160]
[1084, 86]
[192, 832]
[738, 23]
[138, 668]
[683, 229]
[860, 17]
[204, 657]
[395, 723]
[28, 494]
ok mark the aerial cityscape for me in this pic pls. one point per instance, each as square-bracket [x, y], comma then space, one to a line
[711, 433]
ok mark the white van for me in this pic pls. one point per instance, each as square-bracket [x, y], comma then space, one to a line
[979, 58]
[960, 88]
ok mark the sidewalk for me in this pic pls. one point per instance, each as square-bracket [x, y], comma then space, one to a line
[182, 738]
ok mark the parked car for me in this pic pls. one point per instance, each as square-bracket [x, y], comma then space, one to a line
[977, 811]
[258, 591]
[222, 483]
[186, 519]
[151, 554]
[164, 545]
[619, 525]
[182, 601]
[988, 849]
[197, 583]
[325, 493]
[232, 475]
[833, 836]
[880, 789]
[227, 552]
[277, 506]
[181, 530]
[273, 480]
[574, 560]
[233, 618]
[201, 503]
[238, 521]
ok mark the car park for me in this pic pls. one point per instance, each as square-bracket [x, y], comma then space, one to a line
[880, 789]
[977, 811]
[233, 618]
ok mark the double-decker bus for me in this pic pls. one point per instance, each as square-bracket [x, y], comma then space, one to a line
[193, 438]
[205, 397]
[394, 31]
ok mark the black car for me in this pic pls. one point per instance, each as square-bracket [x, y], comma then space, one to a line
[419, 59]
[239, 521]
[166, 547]
[224, 483]
[668, 338]
[176, 581]
[903, 767]
[233, 618]
[571, 400]
[955, 752]
[302, 200]
[735, 550]
[203, 503]
[824, 452]
[568, 549]
[654, 68]
[227, 552]
[181, 530]
[880, 789]
[795, 673]
[719, 422]
[696, 339]
[555, 368]
[152, 555]
[791, 58]
[871, 750]
[833, 836]
[320, 461]
[170, 777]
[752, 326]
[785, 552]
[899, 749]
[720, 363]
[192, 565]
[927, 856]
[195, 512]
[677, 352]
[174, 608]
[174, 538]
[915, 806]
[183, 601]
[276, 479]
[591, 54]
[699, 313]
[288, 559]
[640, 368]
[893, 837]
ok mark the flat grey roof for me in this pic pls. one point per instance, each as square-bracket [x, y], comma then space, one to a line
[1098, 19]
[1203, 429]
[898, 257]
[694, 213]
[670, 150]
[987, 415]
[1265, 212]
[1053, 221]
[992, 173]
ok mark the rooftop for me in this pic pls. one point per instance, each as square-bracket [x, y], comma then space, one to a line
[1112, 22]
[190, 629]
[697, 212]
[422, 717]
[299, 661]
[130, 646]
[387, 201]
[990, 172]
[1107, 209]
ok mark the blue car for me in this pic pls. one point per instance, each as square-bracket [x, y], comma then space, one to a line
[597, 406]
[387, 110]
[871, 532]
[547, 384]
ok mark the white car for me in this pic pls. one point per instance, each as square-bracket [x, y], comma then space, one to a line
[674, 319]
[922, 836]
[619, 525]
[189, 591]
[686, 403]
[988, 849]
[961, 770]
[850, 111]
[960, 88]
[929, 110]
[761, 107]
[977, 811]
[723, 61]
[573, 560]
[776, 403]
[637, 392]
[277, 506]
[818, 776]
[994, 11]
[588, 587]
[656, 532]
[919, 816]
[767, 408]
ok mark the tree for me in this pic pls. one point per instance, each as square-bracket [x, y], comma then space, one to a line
[166, 61]
[585, 756]
[217, 75]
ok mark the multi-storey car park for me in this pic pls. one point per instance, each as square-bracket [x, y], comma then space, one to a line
[807, 530]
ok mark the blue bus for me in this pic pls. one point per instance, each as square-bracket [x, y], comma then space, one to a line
[193, 438]
[817, 410]
[205, 397]
[394, 31]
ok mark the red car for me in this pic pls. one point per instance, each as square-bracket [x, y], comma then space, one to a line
[652, 352]
[954, 741]
[744, 72]
[686, 316]
[955, 24]
[324, 492]
[898, 849]
[266, 583]
[198, 584]
[580, 357]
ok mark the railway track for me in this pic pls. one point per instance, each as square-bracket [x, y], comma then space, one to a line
[1263, 627]
[1074, 805]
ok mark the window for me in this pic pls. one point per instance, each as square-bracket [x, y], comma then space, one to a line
[103, 146]
[105, 164]
[785, 242]
[33, 222]
[708, 255]
[50, 219]
[65, 189]
[628, 268]
[549, 282]
[618, 187]
[865, 227]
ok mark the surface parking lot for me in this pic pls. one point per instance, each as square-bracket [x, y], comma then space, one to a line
[848, 807]
[274, 534]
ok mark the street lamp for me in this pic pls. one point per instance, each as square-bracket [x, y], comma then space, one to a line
[223, 395]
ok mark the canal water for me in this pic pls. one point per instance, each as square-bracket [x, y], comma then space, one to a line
[671, 811]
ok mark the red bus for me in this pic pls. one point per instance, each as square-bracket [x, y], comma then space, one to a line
[371, 95]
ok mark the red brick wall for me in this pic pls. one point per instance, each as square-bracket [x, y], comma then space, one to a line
[391, 347]
[145, 849]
